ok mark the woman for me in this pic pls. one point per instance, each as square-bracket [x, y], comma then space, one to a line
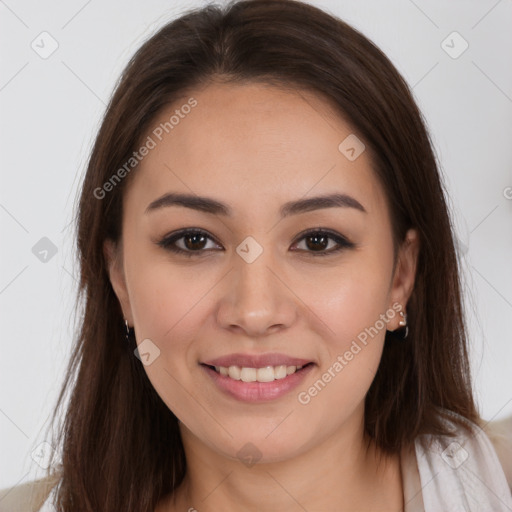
[273, 316]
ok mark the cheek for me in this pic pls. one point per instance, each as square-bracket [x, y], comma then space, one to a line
[166, 300]
[350, 299]
[351, 304]
[353, 345]
[166, 305]
[171, 305]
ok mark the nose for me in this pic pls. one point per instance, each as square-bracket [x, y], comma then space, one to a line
[257, 300]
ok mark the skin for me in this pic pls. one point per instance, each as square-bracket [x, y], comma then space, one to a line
[256, 147]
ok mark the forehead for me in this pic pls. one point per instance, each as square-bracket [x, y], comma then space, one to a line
[251, 144]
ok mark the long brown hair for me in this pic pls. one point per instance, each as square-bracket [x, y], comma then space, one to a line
[120, 444]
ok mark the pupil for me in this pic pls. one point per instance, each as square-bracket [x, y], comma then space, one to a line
[194, 237]
[321, 240]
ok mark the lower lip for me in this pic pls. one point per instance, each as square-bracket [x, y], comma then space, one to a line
[258, 391]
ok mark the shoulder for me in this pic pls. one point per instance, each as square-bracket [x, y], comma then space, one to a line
[461, 471]
[27, 497]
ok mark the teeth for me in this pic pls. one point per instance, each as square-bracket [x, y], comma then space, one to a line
[266, 374]
[234, 372]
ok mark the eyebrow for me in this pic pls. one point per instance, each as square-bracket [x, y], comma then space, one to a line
[214, 207]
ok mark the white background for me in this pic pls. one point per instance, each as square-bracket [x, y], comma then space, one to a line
[50, 111]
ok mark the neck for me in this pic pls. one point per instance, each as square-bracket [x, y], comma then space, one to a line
[341, 473]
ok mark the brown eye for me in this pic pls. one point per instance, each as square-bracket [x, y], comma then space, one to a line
[194, 241]
[189, 242]
[317, 241]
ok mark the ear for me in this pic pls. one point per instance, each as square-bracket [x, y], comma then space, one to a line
[405, 270]
[114, 260]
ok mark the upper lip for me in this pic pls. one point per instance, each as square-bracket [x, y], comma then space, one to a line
[257, 360]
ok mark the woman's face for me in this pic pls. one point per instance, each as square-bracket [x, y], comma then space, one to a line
[255, 284]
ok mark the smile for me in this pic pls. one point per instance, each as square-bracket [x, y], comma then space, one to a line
[257, 384]
[265, 374]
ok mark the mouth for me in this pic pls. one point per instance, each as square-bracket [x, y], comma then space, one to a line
[256, 385]
[262, 374]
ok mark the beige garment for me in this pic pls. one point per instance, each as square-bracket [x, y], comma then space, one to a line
[30, 497]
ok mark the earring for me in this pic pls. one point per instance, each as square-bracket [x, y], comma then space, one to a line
[403, 330]
[129, 331]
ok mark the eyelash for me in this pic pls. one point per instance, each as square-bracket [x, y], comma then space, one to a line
[168, 241]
